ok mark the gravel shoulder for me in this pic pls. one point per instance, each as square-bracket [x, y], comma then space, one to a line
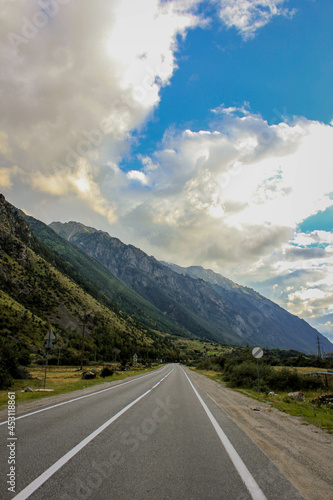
[303, 453]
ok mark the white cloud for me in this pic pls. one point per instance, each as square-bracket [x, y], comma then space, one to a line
[79, 182]
[136, 175]
[314, 238]
[79, 77]
[7, 175]
[153, 26]
[247, 16]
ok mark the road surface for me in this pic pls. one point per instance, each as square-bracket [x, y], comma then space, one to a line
[156, 436]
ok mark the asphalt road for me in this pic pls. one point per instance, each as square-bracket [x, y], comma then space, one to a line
[154, 437]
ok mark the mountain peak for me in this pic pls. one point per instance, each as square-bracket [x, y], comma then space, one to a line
[69, 229]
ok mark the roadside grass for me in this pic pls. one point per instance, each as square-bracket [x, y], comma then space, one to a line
[311, 413]
[62, 379]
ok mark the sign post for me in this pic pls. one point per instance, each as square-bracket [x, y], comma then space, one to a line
[49, 344]
[257, 352]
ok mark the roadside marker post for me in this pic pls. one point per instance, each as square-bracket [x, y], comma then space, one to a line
[49, 344]
[257, 352]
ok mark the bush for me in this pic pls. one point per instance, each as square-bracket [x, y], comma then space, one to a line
[245, 375]
[242, 375]
[9, 364]
[208, 364]
[6, 380]
[107, 372]
[240, 370]
[312, 384]
[285, 380]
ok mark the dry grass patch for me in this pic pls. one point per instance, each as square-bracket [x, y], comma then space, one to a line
[62, 379]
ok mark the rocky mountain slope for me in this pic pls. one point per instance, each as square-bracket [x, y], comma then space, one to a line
[204, 303]
[104, 285]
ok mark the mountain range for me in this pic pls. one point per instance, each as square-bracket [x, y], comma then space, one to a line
[204, 303]
[67, 274]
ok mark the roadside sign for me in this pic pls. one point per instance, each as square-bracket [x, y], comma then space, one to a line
[49, 340]
[257, 352]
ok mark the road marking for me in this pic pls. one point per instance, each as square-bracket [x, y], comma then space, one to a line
[32, 487]
[241, 468]
[81, 397]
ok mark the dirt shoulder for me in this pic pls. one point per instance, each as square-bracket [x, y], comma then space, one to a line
[303, 453]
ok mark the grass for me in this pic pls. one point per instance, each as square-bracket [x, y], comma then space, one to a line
[61, 379]
[320, 416]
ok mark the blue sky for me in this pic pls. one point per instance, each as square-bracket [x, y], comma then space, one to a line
[286, 70]
[201, 132]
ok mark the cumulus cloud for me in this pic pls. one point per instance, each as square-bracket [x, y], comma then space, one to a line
[247, 16]
[78, 78]
[136, 175]
[235, 180]
[7, 175]
[79, 182]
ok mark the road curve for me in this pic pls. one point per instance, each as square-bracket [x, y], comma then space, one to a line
[156, 437]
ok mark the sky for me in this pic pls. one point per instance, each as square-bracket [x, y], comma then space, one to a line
[199, 131]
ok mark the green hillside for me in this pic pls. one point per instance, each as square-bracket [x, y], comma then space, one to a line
[36, 294]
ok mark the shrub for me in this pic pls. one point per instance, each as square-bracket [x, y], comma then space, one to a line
[312, 384]
[242, 375]
[285, 380]
[240, 370]
[9, 364]
[208, 364]
[107, 372]
[245, 375]
[6, 380]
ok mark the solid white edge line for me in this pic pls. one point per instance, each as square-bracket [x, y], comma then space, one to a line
[82, 397]
[246, 476]
[32, 487]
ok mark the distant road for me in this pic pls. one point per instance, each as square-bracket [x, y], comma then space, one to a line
[153, 437]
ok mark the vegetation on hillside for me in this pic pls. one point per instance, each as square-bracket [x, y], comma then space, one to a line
[38, 291]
